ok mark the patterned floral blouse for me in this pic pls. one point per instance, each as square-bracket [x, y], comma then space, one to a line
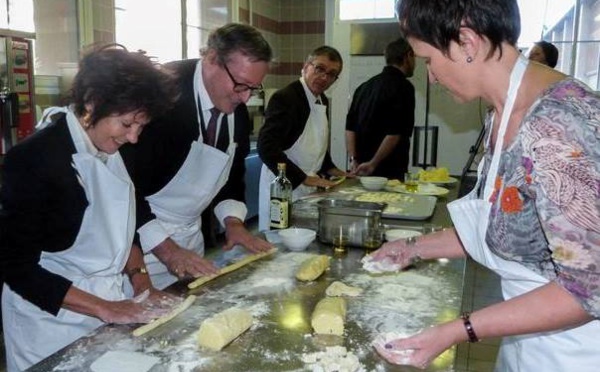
[546, 200]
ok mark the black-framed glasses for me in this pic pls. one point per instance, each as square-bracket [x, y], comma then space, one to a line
[322, 71]
[241, 87]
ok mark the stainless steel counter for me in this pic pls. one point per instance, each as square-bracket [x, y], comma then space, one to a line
[281, 335]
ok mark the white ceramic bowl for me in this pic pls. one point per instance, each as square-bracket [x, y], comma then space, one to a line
[395, 234]
[297, 239]
[373, 183]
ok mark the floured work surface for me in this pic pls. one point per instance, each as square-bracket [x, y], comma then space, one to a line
[281, 337]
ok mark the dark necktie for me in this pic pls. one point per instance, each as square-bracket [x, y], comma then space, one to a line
[318, 101]
[211, 129]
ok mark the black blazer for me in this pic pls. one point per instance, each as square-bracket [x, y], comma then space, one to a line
[165, 143]
[43, 206]
[285, 119]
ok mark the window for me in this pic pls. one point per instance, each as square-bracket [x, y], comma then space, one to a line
[17, 15]
[155, 26]
[150, 25]
[367, 9]
[202, 17]
[573, 26]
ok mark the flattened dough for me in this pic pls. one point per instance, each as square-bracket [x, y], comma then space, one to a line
[312, 268]
[164, 319]
[337, 289]
[329, 316]
[124, 361]
[222, 328]
[227, 269]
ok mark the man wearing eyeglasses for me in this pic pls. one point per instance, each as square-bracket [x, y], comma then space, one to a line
[296, 131]
[193, 162]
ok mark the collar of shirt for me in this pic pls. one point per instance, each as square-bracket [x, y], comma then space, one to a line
[92, 150]
[309, 95]
[205, 102]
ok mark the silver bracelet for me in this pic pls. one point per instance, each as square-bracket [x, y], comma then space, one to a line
[411, 242]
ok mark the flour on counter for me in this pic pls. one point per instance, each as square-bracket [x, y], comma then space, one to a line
[276, 275]
[333, 359]
[398, 302]
[123, 361]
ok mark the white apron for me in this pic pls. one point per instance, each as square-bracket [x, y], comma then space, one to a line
[573, 350]
[94, 263]
[179, 205]
[307, 153]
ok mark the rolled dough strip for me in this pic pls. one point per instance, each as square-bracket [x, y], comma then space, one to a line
[227, 269]
[337, 289]
[164, 319]
[329, 316]
[222, 328]
[312, 268]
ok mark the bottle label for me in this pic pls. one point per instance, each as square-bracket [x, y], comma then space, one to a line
[279, 213]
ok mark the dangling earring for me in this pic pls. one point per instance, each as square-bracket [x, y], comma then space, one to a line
[469, 59]
[86, 120]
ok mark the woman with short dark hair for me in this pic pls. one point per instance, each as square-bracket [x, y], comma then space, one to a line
[533, 216]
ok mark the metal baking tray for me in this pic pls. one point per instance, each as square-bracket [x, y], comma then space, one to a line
[407, 206]
[347, 218]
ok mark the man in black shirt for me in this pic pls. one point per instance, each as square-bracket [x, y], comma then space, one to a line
[380, 120]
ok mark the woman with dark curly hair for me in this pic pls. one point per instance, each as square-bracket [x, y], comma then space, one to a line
[68, 216]
[534, 215]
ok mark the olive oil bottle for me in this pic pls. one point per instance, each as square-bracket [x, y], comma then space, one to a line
[281, 200]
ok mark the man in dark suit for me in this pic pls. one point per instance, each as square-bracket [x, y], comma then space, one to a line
[296, 130]
[192, 159]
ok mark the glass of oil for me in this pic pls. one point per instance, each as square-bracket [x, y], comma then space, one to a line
[372, 238]
[411, 182]
[340, 240]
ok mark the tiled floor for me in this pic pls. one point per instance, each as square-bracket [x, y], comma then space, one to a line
[481, 288]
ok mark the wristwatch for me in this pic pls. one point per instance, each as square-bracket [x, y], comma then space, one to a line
[137, 270]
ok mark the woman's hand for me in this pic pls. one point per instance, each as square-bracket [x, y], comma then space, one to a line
[421, 349]
[142, 309]
[396, 252]
[147, 306]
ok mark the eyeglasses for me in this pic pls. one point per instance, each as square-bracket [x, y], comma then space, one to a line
[241, 87]
[322, 71]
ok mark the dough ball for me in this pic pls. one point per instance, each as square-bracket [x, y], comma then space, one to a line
[312, 268]
[337, 289]
[222, 328]
[329, 316]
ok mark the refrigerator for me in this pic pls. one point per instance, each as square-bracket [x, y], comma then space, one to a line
[17, 107]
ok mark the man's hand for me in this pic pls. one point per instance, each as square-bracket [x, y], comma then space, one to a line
[182, 262]
[314, 181]
[365, 169]
[236, 233]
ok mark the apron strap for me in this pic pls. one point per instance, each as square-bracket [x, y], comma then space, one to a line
[516, 77]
